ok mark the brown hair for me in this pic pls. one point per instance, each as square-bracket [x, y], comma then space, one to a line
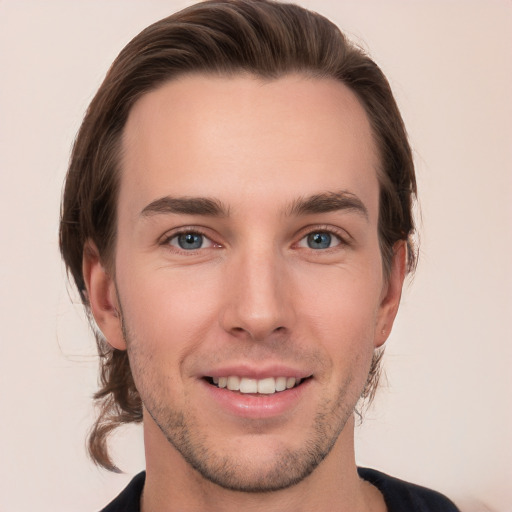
[260, 37]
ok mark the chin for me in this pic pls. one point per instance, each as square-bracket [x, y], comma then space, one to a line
[254, 463]
[275, 472]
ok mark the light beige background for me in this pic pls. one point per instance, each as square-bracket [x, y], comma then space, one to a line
[445, 417]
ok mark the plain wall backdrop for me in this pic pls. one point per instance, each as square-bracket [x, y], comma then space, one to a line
[444, 416]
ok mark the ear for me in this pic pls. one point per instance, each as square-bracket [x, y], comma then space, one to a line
[391, 294]
[102, 294]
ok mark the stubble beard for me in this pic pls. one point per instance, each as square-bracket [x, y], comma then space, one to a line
[231, 471]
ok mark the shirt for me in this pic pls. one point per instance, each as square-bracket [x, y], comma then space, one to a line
[399, 496]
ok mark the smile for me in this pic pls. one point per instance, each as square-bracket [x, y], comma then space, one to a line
[266, 386]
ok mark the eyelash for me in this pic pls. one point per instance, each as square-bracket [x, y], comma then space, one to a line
[340, 235]
[186, 231]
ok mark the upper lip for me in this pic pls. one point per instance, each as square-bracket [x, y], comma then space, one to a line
[257, 372]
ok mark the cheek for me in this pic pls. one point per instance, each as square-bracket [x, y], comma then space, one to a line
[345, 298]
[166, 320]
[339, 309]
[165, 307]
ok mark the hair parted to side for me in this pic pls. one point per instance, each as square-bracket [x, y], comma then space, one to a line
[259, 37]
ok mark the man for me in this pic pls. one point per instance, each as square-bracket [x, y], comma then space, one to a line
[237, 219]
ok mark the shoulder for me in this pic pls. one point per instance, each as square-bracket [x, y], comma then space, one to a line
[403, 496]
[129, 499]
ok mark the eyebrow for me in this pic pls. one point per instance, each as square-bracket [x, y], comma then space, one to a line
[186, 206]
[328, 202]
[210, 207]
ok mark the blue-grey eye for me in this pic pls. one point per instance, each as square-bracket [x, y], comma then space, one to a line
[189, 241]
[319, 240]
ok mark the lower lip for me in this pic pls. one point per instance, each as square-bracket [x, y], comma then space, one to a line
[257, 406]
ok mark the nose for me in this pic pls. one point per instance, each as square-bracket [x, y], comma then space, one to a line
[258, 301]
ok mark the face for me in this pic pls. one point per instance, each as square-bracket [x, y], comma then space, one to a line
[248, 282]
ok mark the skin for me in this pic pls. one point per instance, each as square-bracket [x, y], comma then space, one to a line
[258, 293]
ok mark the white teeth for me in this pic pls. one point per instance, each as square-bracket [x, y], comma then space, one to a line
[290, 382]
[233, 383]
[266, 386]
[248, 385]
[281, 383]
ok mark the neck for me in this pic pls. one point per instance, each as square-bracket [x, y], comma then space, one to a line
[173, 485]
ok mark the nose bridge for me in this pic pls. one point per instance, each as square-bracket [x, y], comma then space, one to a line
[258, 304]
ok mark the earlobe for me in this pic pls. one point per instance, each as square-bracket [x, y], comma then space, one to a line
[391, 294]
[102, 295]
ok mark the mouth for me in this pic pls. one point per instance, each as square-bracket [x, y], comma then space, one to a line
[250, 386]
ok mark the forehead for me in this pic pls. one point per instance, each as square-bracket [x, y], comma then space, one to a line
[233, 137]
